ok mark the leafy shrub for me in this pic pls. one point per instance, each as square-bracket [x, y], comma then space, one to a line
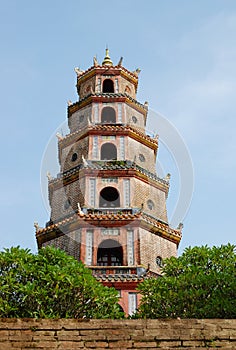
[199, 284]
[51, 284]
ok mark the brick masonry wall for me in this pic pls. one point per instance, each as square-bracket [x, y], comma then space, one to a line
[129, 113]
[80, 147]
[141, 192]
[70, 243]
[135, 149]
[117, 334]
[126, 87]
[75, 123]
[73, 192]
[153, 246]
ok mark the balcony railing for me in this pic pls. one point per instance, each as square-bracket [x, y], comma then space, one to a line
[117, 270]
[110, 123]
[111, 210]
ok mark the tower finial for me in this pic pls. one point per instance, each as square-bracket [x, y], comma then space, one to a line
[107, 60]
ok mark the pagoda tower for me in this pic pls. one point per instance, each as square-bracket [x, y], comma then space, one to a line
[108, 205]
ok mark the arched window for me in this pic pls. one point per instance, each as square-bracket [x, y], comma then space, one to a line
[108, 151]
[108, 86]
[110, 253]
[67, 204]
[108, 115]
[109, 198]
[159, 261]
[74, 157]
[150, 204]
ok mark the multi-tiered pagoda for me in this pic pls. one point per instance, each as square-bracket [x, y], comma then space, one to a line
[108, 206]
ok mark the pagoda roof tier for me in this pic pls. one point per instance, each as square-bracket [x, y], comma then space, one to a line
[118, 278]
[160, 228]
[98, 219]
[110, 129]
[120, 168]
[105, 70]
[122, 284]
[121, 280]
[107, 97]
[121, 273]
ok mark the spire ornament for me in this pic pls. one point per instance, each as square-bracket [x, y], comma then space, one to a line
[95, 61]
[107, 60]
[120, 62]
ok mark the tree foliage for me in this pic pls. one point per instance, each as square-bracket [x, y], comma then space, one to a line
[51, 284]
[199, 284]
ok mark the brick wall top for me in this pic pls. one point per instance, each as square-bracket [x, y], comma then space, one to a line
[117, 334]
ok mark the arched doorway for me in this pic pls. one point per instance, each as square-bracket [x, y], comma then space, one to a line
[108, 151]
[109, 198]
[108, 115]
[110, 253]
[108, 86]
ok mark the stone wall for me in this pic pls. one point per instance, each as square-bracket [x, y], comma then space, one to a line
[117, 334]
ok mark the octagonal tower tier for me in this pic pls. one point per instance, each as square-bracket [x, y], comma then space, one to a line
[108, 206]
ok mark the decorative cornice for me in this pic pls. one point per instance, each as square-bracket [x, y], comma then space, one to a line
[123, 281]
[161, 229]
[111, 129]
[107, 169]
[107, 97]
[111, 70]
[121, 284]
[80, 219]
[118, 278]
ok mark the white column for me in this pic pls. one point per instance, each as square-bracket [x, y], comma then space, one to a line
[132, 303]
[96, 113]
[89, 248]
[130, 247]
[126, 183]
[119, 112]
[122, 148]
[92, 187]
[95, 147]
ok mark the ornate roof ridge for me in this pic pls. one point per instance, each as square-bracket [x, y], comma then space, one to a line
[110, 95]
[52, 226]
[88, 217]
[104, 165]
[115, 127]
[155, 218]
[129, 127]
[119, 278]
[95, 218]
[105, 68]
[161, 225]
[100, 216]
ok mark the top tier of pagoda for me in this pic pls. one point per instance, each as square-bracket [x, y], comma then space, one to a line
[108, 83]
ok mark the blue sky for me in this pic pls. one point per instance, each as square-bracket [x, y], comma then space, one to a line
[187, 53]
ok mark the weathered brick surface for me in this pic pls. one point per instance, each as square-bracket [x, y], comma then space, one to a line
[73, 192]
[135, 149]
[20, 334]
[75, 122]
[129, 113]
[142, 192]
[153, 246]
